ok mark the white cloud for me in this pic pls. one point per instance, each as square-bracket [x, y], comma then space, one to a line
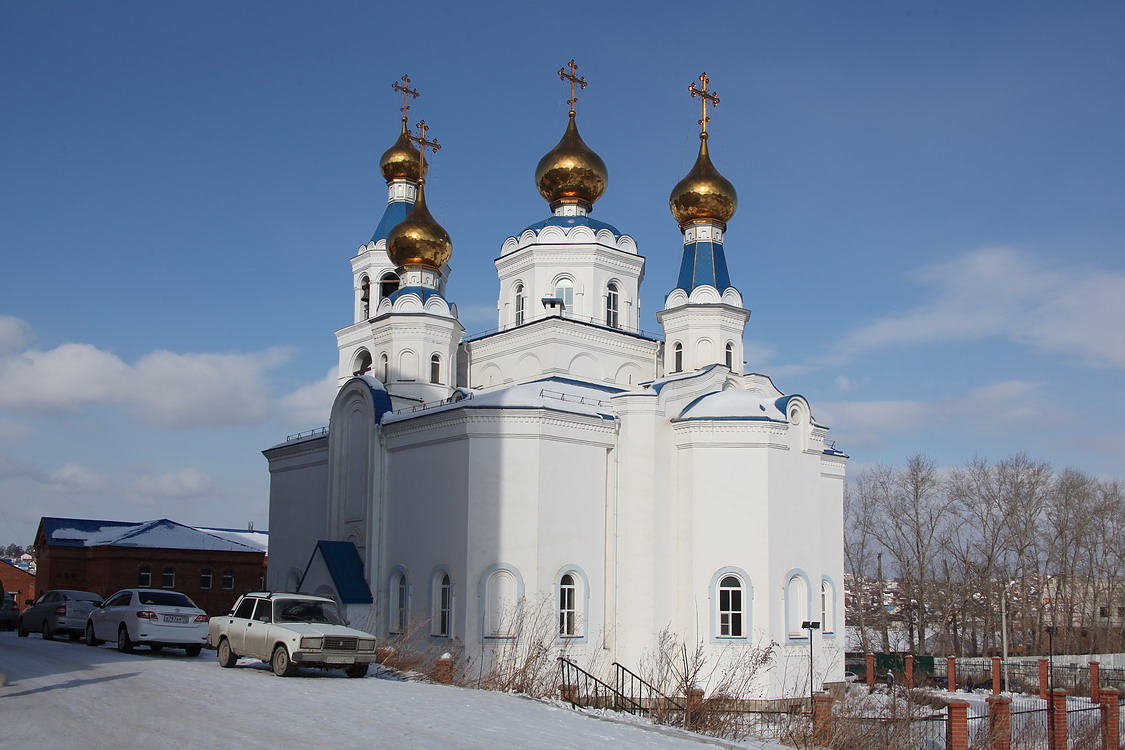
[15, 334]
[73, 477]
[309, 405]
[163, 388]
[1006, 292]
[186, 483]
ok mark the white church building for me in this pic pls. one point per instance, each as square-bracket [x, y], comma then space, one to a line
[631, 483]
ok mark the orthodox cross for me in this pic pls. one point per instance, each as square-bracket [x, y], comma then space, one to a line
[406, 92]
[423, 144]
[581, 82]
[706, 96]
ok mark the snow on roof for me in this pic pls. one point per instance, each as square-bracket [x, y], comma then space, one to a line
[556, 394]
[161, 534]
[259, 540]
[737, 404]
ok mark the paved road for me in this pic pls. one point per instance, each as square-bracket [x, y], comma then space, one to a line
[64, 694]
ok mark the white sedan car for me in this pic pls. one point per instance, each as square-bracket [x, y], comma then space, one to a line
[151, 617]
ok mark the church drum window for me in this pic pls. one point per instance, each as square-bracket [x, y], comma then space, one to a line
[731, 608]
[168, 580]
[677, 357]
[730, 356]
[521, 305]
[205, 579]
[612, 307]
[384, 367]
[144, 577]
[796, 606]
[500, 604]
[568, 606]
[228, 580]
[827, 607]
[362, 363]
[435, 368]
[444, 601]
[398, 608]
[564, 290]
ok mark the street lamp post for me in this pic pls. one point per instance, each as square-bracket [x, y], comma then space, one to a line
[810, 626]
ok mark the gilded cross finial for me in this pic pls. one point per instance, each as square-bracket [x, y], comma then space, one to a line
[423, 144]
[574, 80]
[706, 96]
[406, 93]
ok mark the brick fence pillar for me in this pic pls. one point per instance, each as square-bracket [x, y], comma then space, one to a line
[1057, 717]
[870, 664]
[1111, 718]
[957, 732]
[443, 669]
[996, 675]
[1000, 721]
[822, 719]
[569, 693]
[951, 673]
[1044, 679]
[694, 705]
[908, 677]
[1094, 682]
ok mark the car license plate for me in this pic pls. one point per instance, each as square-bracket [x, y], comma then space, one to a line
[340, 660]
[177, 619]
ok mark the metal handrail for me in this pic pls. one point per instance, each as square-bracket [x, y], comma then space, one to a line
[588, 689]
[455, 398]
[307, 433]
[567, 316]
[634, 679]
[560, 396]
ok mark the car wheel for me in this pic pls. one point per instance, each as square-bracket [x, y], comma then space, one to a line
[90, 639]
[227, 658]
[124, 644]
[356, 670]
[282, 666]
[193, 649]
[48, 634]
[21, 631]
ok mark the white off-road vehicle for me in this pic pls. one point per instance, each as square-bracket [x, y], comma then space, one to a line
[289, 631]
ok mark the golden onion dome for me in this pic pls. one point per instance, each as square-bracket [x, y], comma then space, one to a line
[703, 193]
[571, 172]
[418, 240]
[400, 161]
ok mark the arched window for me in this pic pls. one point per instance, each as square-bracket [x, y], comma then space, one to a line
[568, 606]
[521, 305]
[384, 367]
[168, 580]
[399, 591]
[564, 290]
[205, 578]
[228, 580]
[407, 365]
[388, 284]
[612, 305]
[677, 357]
[435, 368]
[144, 577]
[796, 605]
[362, 363]
[730, 356]
[364, 297]
[732, 608]
[443, 604]
[827, 607]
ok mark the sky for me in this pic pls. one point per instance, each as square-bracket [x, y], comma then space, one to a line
[929, 234]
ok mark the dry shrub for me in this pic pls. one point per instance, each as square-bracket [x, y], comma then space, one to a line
[527, 660]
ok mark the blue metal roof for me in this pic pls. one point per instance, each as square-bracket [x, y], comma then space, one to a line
[566, 222]
[346, 568]
[395, 213]
[703, 264]
[424, 292]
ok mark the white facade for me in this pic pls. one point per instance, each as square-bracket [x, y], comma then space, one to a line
[630, 483]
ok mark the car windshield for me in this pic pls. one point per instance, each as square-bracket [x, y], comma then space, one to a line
[306, 610]
[164, 599]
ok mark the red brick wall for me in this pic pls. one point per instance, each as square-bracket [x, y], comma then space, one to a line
[18, 582]
[107, 569]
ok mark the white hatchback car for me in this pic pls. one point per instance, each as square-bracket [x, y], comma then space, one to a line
[151, 617]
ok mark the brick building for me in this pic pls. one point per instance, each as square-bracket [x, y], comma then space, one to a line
[17, 582]
[212, 566]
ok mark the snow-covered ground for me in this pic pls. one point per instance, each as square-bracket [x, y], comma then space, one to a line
[64, 694]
